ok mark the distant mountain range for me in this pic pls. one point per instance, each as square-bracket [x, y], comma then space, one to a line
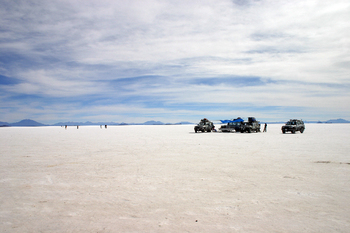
[28, 122]
[335, 121]
[25, 122]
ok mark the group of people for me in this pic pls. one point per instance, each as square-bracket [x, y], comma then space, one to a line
[66, 126]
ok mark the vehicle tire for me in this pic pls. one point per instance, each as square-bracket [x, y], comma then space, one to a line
[195, 131]
[249, 130]
[283, 131]
[293, 131]
[208, 130]
[302, 130]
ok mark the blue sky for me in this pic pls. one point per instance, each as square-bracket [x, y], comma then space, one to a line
[134, 61]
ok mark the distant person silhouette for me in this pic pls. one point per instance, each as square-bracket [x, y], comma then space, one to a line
[265, 128]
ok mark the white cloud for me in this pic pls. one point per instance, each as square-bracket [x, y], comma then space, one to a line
[65, 49]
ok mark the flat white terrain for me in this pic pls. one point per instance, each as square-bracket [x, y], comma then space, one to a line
[170, 179]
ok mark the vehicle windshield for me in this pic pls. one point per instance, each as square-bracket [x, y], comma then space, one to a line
[202, 123]
[291, 123]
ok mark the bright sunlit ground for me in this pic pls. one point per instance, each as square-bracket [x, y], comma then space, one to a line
[170, 179]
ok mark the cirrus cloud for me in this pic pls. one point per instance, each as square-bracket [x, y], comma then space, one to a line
[177, 59]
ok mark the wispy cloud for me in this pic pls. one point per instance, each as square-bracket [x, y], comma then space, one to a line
[174, 60]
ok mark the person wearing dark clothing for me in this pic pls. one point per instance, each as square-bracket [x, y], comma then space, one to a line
[265, 128]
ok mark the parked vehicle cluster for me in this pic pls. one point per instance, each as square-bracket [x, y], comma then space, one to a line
[250, 126]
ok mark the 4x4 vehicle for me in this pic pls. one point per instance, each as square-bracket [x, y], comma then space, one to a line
[238, 125]
[251, 126]
[232, 126]
[293, 125]
[204, 125]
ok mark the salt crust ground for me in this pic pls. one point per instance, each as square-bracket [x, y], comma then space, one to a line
[169, 179]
